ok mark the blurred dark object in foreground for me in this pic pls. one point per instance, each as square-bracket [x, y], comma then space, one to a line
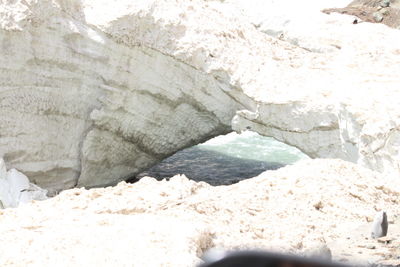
[267, 259]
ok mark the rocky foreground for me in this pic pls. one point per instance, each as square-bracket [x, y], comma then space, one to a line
[300, 209]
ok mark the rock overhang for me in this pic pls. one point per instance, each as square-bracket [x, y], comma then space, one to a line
[118, 91]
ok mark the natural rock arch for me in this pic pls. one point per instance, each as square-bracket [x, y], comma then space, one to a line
[89, 99]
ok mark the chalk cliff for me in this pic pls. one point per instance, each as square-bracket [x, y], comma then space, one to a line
[93, 92]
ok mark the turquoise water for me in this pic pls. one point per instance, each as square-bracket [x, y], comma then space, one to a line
[227, 159]
[250, 145]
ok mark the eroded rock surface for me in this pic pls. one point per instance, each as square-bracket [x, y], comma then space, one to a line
[93, 92]
[297, 209]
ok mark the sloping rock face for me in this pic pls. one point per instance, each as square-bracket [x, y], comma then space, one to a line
[92, 92]
[171, 223]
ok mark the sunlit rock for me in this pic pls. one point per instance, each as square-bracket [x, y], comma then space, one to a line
[94, 92]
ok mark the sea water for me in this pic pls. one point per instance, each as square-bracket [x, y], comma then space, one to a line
[227, 159]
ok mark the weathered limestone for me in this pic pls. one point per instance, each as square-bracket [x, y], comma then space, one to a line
[93, 92]
[92, 109]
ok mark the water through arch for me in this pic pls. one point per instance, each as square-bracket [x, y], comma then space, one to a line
[227, 159]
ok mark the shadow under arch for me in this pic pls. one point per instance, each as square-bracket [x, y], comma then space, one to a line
[226, 159]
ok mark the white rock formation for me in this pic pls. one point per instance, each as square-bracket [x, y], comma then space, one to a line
[16, 189]
[93, 91]
[171, 223]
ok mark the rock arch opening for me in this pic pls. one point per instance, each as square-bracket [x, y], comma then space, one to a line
[226, 159]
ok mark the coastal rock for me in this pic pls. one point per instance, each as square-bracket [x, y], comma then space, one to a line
[94, 92]
[313, 205]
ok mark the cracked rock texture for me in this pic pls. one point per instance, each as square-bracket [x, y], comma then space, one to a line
[93, 92]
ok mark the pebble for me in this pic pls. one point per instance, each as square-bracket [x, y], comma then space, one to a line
[385, 3]
[378, 17]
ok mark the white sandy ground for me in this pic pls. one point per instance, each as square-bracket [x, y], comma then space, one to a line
[171, 223]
